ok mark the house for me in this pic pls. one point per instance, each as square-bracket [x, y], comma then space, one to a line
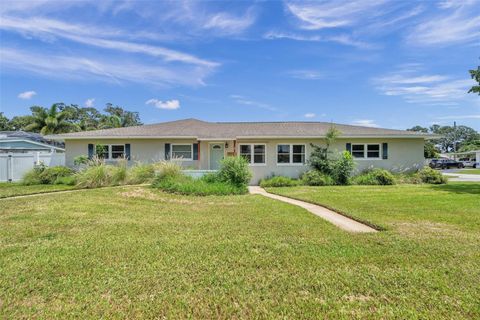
[20, 151]
[27, 142]
[272, 148]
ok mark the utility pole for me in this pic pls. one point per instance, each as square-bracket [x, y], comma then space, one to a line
[454, 140]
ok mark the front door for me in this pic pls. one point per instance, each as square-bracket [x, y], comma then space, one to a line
[216, 154]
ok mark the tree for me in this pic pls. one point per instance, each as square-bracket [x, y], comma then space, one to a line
[453, 137]
[430, 150]
[85, 118]
[118, 117]
[50, 121]
[20, 122]
[319, 158]
[4, 123]
[475, 74]
[418, 129]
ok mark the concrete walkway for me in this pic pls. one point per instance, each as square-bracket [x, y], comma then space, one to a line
[453, 176]
[337, 219]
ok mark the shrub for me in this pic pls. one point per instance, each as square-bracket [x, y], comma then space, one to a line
[316, 178]
[118, 173]
[68, 180]
[429, 175]
[343, 168]
[164, 169]
[375, 177]
[32, 176]
[278, 181]
[186, 185]
[94, 176]
[50, 174]
[410, 178]
[140, 173]
[210, 177]
[235, 170]
[79, 160]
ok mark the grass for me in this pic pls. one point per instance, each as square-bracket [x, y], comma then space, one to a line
[135, 252]
[199, 187]
[17, 189]
[469, 171]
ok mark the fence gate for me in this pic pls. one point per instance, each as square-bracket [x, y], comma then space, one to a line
[14, 165]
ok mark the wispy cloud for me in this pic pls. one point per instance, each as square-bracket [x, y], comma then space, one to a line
[90, 103]
[248, 102]
[460, 117]
[227, 23]
[306, 74]
[309, 115]
[167, 105]
[343, 39]
[330, 14]
[459, 22]
[116, 71]
[48, 29]
[365, 123]
[26, 95]
[418, 88]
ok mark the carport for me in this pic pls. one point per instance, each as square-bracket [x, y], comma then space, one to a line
[474, 154]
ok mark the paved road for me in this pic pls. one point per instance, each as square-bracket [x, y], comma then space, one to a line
[454, 175]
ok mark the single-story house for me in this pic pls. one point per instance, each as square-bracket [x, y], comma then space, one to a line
[27, 142]
[272, 148]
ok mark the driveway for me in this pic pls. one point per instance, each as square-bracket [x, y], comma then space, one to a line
[453, 175]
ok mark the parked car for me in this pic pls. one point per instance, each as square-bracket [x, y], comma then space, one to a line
[468, 162]
[445, 164]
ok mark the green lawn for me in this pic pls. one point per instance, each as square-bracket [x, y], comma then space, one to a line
[136, 252]
[469, 171]
[17, 189]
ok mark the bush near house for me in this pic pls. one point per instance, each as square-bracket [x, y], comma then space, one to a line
[316, 178]
[46, 175]
[431, 176]
[279, 181]
[375, 177]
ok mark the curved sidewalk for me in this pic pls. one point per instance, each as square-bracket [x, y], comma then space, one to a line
[337, 219]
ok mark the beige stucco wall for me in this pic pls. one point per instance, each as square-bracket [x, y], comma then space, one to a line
[403, 154]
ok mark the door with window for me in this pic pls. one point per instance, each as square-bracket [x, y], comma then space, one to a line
[217, 152]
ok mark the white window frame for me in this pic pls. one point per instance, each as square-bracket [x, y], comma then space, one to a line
[365, 151]
[109, 150]
[181, 144]
[291, 163]
[252, 152]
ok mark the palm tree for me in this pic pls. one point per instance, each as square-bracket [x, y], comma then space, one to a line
[50, 121]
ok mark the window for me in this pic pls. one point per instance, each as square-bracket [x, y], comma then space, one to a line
[110, 151]
[373, 151]
[254, 153]
[358, 151]
[290, 154]
[366, 151]
[182, 151]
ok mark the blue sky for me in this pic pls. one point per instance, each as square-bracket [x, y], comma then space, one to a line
[380, 63]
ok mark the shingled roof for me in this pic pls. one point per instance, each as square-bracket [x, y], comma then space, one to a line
[203, 130]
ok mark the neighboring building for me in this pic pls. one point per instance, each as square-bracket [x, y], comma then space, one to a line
[273, 148]
[27, 142]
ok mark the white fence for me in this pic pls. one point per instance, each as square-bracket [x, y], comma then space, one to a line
[14, 165]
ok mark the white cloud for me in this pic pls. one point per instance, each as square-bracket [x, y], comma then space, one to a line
[26, 95]
[365, 123]
[229, 24]
[167, 105]
[309, 115]
[89, 103]
[305, 74]
[332, 14]
[458, 23]
[245, 101]
[423, 88]
[343, 39]
[47, 29]
[110, 70]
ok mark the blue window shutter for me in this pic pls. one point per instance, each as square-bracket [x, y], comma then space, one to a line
[195, 151]
[349, 147]
[90, 151]
[127, 151]
[167, 151]
[384, 150]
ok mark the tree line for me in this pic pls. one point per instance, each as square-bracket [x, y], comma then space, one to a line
[453, 139]
[62, 118]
